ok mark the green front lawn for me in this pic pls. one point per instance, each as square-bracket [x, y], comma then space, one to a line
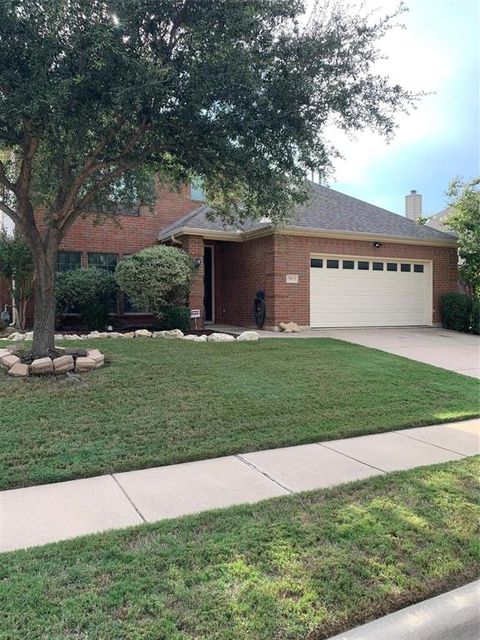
[304, 566]
[161, 402]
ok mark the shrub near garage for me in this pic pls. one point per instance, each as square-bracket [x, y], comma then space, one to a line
[460, 312]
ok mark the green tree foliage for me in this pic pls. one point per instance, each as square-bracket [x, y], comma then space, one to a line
[16, 266]
[156, 278]
[465, 221]
[98, 95]
[88, 292]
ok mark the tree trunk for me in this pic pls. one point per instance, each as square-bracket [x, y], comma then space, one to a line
[44, 312]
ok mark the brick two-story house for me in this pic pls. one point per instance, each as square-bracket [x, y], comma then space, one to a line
[339, 262]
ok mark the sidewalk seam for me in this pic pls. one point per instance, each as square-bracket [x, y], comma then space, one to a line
[321, 444]
[263, 473]
[134, 506]
[406, 435]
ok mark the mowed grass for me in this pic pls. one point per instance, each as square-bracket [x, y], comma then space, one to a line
[160, 402]
[304, 566]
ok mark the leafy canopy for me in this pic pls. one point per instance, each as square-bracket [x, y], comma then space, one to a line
[465, 221]
[97, 95]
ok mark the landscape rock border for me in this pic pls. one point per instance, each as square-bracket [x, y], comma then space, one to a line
[173, 334]
[62, 363]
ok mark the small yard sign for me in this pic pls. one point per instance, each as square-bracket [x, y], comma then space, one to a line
[194, 313]
[292, 278]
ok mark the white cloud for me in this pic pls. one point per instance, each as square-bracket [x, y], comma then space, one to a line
[420, 57]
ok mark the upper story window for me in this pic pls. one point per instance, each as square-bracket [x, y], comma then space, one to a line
[107, 261]
[196, 190]
[69, 260]
[117, 209]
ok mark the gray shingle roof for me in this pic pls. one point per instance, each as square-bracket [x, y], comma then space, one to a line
[439, 220]
[329, 210]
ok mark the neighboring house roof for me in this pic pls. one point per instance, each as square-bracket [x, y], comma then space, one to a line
[326, 211]
[439, 220]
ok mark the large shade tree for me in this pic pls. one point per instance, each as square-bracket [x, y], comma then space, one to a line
[97, 95]
[465, 221]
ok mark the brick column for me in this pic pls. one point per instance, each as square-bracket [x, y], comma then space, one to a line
[193, 245]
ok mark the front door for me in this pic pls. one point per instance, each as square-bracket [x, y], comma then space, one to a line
[208, 284]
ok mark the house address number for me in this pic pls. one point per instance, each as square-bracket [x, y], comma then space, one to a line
[292, 278]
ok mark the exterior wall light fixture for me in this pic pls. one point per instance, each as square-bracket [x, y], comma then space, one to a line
[377, 245]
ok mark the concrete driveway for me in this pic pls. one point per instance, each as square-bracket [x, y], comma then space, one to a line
[452, 350]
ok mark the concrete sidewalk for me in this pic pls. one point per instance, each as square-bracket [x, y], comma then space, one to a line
[451, 616]
[48, 513]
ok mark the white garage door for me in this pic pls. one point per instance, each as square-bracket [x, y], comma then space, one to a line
[361, 292]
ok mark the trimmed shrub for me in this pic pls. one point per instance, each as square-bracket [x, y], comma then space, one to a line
[156, 278]
[460, 312]
[95, 316]
[475, 323]
[175, 318]
[89, 292]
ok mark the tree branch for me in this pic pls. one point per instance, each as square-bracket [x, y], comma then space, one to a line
[90, 167]
[176, 24]
[30, 146]
[4, 178]
[9, 211]
[82, 205]
[108, 137]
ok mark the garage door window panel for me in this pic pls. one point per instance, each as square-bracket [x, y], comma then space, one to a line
[332, 264]
[363, 266]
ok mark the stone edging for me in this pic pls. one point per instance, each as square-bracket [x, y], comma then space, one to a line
[61, 364]
[246, 336]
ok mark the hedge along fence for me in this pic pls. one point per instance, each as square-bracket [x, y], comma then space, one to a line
[461, 312]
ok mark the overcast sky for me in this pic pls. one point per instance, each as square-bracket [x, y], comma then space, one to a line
[437, 52]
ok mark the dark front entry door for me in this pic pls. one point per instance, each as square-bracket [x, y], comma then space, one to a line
[208, 299]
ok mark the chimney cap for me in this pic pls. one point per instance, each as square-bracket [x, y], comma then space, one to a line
[413, 191]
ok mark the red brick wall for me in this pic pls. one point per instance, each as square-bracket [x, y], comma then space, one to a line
[128, 234]
[292, 255]
[245, 268]
[193, 245]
